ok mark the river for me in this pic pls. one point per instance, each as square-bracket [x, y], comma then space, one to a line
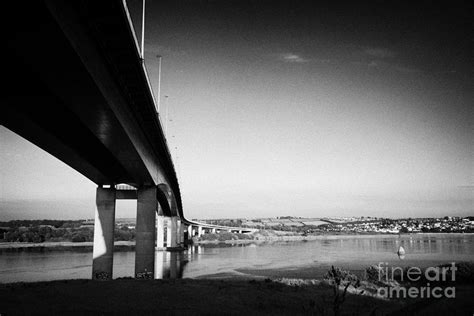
[296, 259]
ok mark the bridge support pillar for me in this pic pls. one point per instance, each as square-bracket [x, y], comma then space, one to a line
[190, 232]
[145, 233]
[172, 232]
[104, 226]
[179, 232]
[160, 231]
[168, 231]
[178, 223]
[160, 260]
[200, 231]
[213, 230]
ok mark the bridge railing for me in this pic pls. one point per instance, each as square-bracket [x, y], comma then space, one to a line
[143, 63]
[141, 56]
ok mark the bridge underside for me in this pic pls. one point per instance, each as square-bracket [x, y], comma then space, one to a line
[75, 87]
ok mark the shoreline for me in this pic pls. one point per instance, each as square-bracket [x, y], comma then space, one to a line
[288, 238]
[62, 245]
[130, 245]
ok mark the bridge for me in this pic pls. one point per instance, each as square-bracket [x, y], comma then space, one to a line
[77, 86]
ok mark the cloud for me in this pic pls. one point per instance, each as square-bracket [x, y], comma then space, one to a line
[379, 52]
[292, 58]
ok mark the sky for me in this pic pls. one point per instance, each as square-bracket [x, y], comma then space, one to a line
[292, 108]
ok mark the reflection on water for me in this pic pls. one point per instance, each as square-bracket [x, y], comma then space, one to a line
[283, 259]
[169, 265]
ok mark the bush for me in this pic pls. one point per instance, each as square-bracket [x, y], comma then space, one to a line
[223, 236]
[124, 234]
[340, 278]
[209, 237]
[82, 235]
[374, 274]
[244, 236]
[78, 238]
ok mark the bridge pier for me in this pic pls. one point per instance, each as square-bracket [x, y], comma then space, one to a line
[173, 230]
[200, 232]
[178, 236]
[160, 231]
[168, 231]
[145, 233]
[190, 232]
[160, 259]
[104, 227]
[180, 231]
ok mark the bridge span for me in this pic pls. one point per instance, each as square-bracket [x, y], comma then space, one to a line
[77, 86]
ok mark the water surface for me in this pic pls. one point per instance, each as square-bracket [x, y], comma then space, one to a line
[296, 259]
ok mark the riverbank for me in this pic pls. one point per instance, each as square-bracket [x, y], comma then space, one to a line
[255, 238]
[62, 246]
[276, 236]
[208, 297]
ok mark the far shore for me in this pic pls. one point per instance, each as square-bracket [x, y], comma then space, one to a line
[276, 238]
[260, 239]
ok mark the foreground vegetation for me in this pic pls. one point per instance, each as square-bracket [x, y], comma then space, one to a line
[177, 297]
[340, 293]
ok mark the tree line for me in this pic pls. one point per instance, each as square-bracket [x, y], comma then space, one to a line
[38, 231]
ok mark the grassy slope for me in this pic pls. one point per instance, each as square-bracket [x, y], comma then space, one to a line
[190, 297]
